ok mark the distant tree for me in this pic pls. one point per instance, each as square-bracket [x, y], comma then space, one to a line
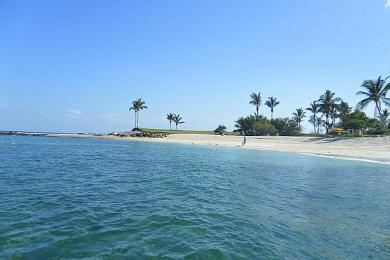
[299, 115]
[319, 123]
[312, 120]
[314, 108]
[170, 118]
[178, 120]
[221, 129]
[264, 127]
[253, 125]
[357, 120]
[272, 102]
[344, 111]
[328, 104]
[285, 126]
[385, 117]
[375, 92]
[255, 99]
[137, 105]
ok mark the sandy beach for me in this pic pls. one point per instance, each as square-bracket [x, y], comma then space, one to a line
[376, 149]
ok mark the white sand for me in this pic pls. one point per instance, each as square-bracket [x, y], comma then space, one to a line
[376, 149]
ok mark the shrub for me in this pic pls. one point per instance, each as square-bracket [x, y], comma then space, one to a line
[221, 129]
[255, 125]
[285, 126]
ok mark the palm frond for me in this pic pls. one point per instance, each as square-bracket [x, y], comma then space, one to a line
[363, 103]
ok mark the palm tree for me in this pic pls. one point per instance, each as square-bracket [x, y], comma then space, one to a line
[312, 120]
[137, 105]
[344, 111]
[255, 99]
[328, 102]
[314, 108]
[318, 123]
[376, 92]
[272, 102]
[385, 116]
[170, 117]
[299, 115]
[178, 120]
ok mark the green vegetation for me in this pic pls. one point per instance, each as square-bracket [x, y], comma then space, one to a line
[177, 119]
[170, 118]
[221, 129]
[376, 92]
[166, 131]
[272, 102]
[316, 121]
[328, 106]
[299, 115]
[137, 106]
[328, 112]
[255, 125]
[255, 99]
[285, 126]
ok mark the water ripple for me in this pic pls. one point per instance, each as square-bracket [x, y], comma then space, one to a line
[85, 198]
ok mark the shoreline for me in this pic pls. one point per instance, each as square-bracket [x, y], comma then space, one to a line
[364, 149]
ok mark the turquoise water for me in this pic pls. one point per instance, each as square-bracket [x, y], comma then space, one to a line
[87, 198]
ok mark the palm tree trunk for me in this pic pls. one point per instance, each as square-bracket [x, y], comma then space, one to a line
[257, 111]
[327, 123]
[272, 114]
[170, 125]
[135, 119]
[176, 126]
[378, 108]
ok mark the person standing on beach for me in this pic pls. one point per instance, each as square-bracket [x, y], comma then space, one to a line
[244, 142]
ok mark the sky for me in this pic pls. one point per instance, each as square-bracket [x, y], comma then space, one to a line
[76, 66]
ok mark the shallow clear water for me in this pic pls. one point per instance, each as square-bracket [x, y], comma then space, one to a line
[73, 198]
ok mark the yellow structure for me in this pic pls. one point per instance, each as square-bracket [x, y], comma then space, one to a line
[336, 131]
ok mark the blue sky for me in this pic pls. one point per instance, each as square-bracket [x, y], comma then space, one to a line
[75, 66]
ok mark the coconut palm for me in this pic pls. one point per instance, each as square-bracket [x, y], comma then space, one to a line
[178, 120]
[272, 102]
[255, 99]
[344, 111]
[376, 91]
[170, 118]
[318, 123]
[314, 108]
[299, 115]
[328, 104]
[385, 116]
[312, 120]
[137, 105]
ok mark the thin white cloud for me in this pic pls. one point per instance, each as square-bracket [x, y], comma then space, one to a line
[72, 113]
[387, 4]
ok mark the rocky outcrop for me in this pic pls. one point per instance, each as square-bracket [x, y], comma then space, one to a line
[21, 133]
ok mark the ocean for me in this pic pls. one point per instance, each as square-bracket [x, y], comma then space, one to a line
[95, 198]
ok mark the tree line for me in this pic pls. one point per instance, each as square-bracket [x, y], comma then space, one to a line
[138, 105]
[328, 112]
